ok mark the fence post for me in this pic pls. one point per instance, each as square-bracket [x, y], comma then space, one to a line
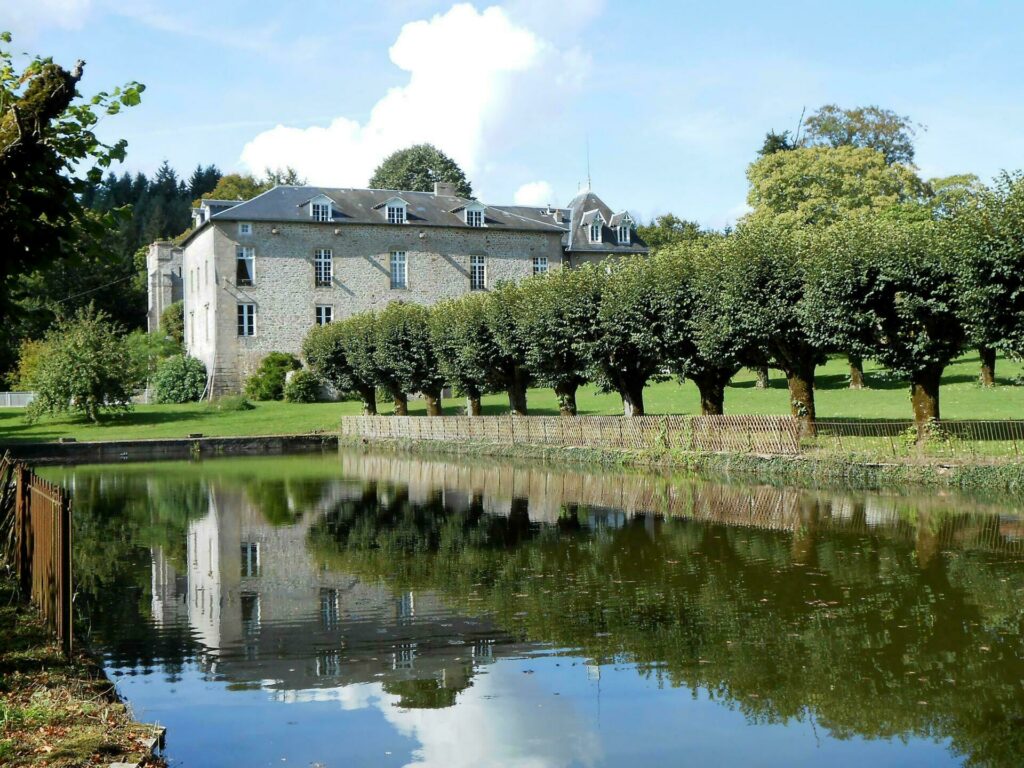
[64, 578]
[23, 529]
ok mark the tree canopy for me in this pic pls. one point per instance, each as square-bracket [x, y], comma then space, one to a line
[868, 127]
[417, 168]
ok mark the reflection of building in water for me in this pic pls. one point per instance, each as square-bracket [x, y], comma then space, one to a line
[268, 614]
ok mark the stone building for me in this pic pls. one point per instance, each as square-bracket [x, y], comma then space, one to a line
[256, 275]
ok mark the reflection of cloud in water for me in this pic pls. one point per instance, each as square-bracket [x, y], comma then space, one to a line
[504, 719]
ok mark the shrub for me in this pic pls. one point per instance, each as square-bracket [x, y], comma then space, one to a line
[180, 379]
[172, 322]
[85, 369]
[229, 404]
[268, 381]
[302, 387]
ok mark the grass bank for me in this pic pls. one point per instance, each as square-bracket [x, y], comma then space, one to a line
[54, 712]
[885, 398]
[851, 471]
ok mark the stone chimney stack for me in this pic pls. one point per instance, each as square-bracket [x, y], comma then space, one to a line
[444, 189]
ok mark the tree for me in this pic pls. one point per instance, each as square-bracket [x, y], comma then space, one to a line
[49, 154]
[820, 185]
[628, 348]
[342, 354]
[237, 186]
[868, 127]
[507, 367]
[886, 290]
[762, 307]
[417, 168]
[776, 142]
[464, 346]
[406, 358]
[203, 180]
[557, 321]
[989, 264]
[267, 383]
[86, 368]
[172, 322]
[698, 346]
[667, 230]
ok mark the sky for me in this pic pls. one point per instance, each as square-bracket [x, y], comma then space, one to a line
[668, 99]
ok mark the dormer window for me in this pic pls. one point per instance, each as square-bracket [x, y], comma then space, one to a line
[320, 211]
[474, 217]
[396, 213]
[624, 234]
[595, 230]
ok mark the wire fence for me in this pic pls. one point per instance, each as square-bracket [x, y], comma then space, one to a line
[16, 399]
[976, 440]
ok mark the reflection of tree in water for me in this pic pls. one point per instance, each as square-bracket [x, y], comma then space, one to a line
[866, 634]
[283, 502]
[423, 693]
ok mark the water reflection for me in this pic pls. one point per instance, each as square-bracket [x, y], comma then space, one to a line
[480, 610]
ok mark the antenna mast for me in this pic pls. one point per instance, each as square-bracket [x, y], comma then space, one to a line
[588, 163]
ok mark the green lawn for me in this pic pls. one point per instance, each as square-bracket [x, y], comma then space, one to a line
[962, 398]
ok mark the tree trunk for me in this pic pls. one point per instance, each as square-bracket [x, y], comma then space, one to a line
[856, 371]
[433, 401]
[988, 366]
[517, 393]
[712, 395]
[924, 397]
[801, 395]
[401, 404]
[566, 398]
[473, 407]
[632, 399]
[369, 398]
[762, 377]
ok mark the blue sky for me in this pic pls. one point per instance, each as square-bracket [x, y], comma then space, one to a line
[673, 98]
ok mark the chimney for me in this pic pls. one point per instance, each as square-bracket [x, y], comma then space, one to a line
[444, 189]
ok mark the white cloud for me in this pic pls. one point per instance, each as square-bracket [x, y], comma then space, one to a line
[467, 69]
[534, 193]
[29, 16]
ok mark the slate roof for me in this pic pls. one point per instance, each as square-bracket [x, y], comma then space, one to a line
[365, 206]
[425, 209]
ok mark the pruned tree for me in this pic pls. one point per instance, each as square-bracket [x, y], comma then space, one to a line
[698, 346]
[557, 321]
[887, 290]
[628, 348]
[417, 169]
[464, 346]
[343, 354]
[508, 368]
[763, 308]
[989, 267]
[405, 357]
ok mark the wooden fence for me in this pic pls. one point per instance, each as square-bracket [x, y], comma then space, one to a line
[776, 435]
[39, 518]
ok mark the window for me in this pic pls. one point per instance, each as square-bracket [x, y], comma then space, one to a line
[320, 211]
[206, 320]
[323, 263]
[245, 262]
[324, 314]
[477, 273]
[191, 328]
[330, 613]
[250, 604]
[623, 234]
[206, 273]
[475, 218]
[246, 319]
[396, 214]
[399, 273]
[540, 265]
[250, 558]
[595, 231]
[244, 228]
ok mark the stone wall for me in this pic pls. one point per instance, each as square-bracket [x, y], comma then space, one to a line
[286, 296]
[163, 277]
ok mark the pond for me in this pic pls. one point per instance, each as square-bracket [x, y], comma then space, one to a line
[375, 610]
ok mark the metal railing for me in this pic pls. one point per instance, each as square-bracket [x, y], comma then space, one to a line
[777, 435]
[38, 514]
[16, 399]
[975, 440]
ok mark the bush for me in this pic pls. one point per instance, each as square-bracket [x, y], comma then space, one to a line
[85, 368]
[180, 379]
[268, 381]
[302, 387]
[229, 404]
